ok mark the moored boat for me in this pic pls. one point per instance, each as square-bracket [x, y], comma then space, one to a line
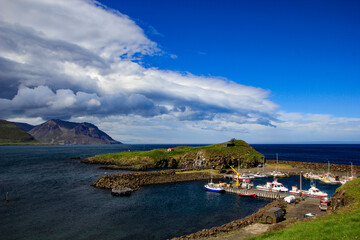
[247, 195]
[312, 192]
[274, 186]
[212, 187]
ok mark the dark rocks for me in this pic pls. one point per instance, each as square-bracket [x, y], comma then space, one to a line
[234, 225]
[138, 179]
[318, 167]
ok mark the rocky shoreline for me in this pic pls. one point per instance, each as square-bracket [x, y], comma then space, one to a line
[316, 167]
[234, 225]
[138, 179]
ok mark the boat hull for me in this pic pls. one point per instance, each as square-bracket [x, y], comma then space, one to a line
[247, 195]
[214, 189]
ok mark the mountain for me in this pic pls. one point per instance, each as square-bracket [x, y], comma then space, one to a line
[12, 134]
[62, 132]
[24, 126]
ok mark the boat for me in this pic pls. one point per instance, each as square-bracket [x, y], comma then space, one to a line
[274, 186]
[247, 195]
[277, 174]
[212, 187]
[260, 175]
[312, 192]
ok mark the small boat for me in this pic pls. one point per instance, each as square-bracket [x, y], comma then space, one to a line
[312, 192]
[247, 195]
[121, 191]
[274, 186]
[277, 174]
[259, 175]
[212, 187]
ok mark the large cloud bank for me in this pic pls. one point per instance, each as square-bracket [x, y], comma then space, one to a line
[75, 59]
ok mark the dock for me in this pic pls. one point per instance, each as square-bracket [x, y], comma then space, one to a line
[259, 193]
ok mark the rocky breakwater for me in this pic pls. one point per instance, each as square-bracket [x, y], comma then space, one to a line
[234, 225]
[138, 179]
[319, 167]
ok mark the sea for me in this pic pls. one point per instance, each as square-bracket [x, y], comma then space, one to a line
[51, 197]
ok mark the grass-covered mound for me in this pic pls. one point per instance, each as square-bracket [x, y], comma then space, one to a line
[10, 134]
[218, 155]
[344, 223]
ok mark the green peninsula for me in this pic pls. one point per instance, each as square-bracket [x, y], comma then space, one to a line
[218, 155]
[10, 134]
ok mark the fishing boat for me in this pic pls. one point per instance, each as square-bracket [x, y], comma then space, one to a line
[274, 186]
[312, 192]
[212, 187]
[247, 195]
[328, 178]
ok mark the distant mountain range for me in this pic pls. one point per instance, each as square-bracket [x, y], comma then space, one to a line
[57, 131]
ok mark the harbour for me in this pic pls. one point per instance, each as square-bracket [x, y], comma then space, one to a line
[47, 188]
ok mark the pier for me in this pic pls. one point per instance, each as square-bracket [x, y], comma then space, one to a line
[259, 193]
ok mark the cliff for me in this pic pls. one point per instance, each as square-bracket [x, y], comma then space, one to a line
[62, 132]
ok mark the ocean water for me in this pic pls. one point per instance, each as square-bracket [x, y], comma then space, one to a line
[335, 153]
[51, 198]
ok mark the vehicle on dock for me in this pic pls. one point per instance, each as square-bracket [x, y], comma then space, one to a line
[312, 192]
[274, 186]
[324, 203]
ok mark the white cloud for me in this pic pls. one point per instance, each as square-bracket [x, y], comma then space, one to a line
[74, 59]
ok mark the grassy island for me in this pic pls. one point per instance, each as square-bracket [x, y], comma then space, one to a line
[219, 155]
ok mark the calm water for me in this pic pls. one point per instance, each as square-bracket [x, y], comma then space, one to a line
[51, 198]
[335, 153]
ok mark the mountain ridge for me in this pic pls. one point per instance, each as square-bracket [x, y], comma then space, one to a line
[55, 131]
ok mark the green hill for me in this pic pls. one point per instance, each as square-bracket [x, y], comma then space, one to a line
[219, 155]
[12, 134]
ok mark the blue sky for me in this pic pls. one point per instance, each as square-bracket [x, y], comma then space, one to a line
[306, 52]
[185, 71]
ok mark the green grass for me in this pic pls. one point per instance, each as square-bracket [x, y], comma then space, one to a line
[343, 224]
[279, 166]
[10, 134]
[158, 156]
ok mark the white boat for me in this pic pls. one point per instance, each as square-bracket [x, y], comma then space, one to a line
[277, 174]
[312, 192]
[212, 187]
[260, 175]
[274, 186]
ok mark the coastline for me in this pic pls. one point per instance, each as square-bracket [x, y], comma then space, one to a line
[136, 180]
